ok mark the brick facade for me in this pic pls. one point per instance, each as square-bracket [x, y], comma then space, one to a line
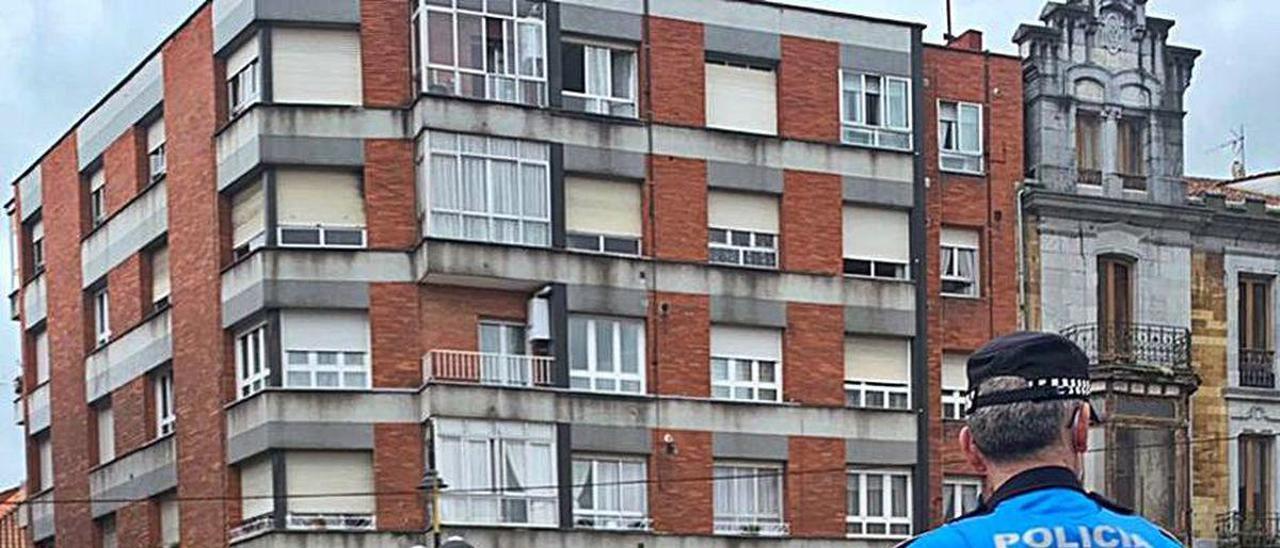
[389, 194]
[138, 524]
[815, 487]
[385, 51]
[680, 488]
[451, 315]
[128, 299]
[813, 355]
[133, 410]
[397, 471]
[393, 329]
[125, 168]
[809, 90]
[1210, 457]
[677, 62]
[679, 228]
[811, 223]
[680, 335]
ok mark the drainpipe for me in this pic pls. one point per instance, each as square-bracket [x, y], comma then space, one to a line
[1021, 252]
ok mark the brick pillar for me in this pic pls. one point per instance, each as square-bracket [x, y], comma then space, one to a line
[122, 164]
[138, 524]
[126, 294]
[397, 470]
[815, 487]
[813, 355]
[385, 52]
[812, 220]
[809, 90]
[680, 490]
[389, 194]
[680, 344]
[679, 225]
[393, 324]
[133, 411]
[678, 84]
[199, 362]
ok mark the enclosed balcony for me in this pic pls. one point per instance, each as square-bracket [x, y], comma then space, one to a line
[1165, 348]
[1247, 530]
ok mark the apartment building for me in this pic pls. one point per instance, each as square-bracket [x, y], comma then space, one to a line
[1108, 237]
[13, 532]
[613, 272]
[973, 166]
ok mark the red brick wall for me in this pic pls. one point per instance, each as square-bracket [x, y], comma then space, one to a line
[397, 470]
[985, 203]
[680, 345]
[812, 222]
[63, 220]
[388, 194]
[132, 409]
[198, 351]
[125, 294]
[680, 488]
[138, 524]
[813, 354]
[385, 52]
[678, 93]
[393, 325]
[680, 209]
[815, 487]
[124, 168]
[809, 90]
[450, 314]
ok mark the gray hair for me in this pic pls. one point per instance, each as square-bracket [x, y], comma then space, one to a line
[1016, 431]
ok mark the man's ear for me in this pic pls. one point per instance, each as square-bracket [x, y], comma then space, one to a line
[970, 450]
[1080, 427]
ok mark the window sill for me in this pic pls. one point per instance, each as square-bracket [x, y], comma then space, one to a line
[597, 117]
[121, 456]
[752, 268]
[965, 172]
[880, 409]
[479, 100]
[878, 279]
[960, 296]
[604, 253]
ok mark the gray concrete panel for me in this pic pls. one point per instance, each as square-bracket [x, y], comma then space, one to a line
[312, 151]
[607, 300]
[140, 222]
[141, 93]
[751, 178]
[134, 354]
[35, 297]
[601, 22]
[733, 445]
[38, 409]
[299, 435]
[232, 16]
[142, 486]
[746, 311]
[42, 512]
[879, 321]
[238, 163]
[880, 452]
[241, 305]
[316, 294]
[610, 439]
[30, 193]
[875, 60]
[742, 42]
[136, 475]
[604, 161]
[864, 190]
[783, 20]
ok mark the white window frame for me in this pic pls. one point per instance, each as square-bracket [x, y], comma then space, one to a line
[969, 155]
[613, 518]
[37, 246]
[252, 376]
[751, 522]
[601, 243]
[165, 417]
[489, 215]
[858, 393]
[157, 162]
[603, 102]
[955, 485]
[244, 88]
[754, 254]
[491, 448]
[101, 316]
[854, 123]
[955, 402]
[592, 376]
[950, 270]
[857, 525]
[322, 235]
[97, 206]
[512, 24]
[347, 362]
[728, 387]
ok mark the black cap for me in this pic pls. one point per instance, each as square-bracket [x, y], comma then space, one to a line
[1053, 366]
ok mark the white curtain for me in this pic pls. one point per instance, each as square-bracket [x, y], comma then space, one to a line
[597, 68]
[724, 491]
[970, 123]
[582, 480]
[770, 498]
[506, 200]
[530, 49]
[897, 99]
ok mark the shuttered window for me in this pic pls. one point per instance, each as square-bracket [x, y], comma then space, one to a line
[312, 473]
[316, 66]
[877, 242]
[256, 489]
[248, 219]
[106, 434]
[320, 208]
[742, 228]
[169, 525]
[160, 275]
[746, 363]
[877, 372]
[44, 450]
[955, 383]
[97, 197]
[155, 149]
[742, 97]
[603, 215]
[42, 357]
[325, 348]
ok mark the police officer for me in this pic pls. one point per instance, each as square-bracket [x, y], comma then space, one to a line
[1027, 428]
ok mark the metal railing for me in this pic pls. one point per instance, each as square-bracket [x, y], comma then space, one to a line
[1133, 344]
[1089, 177]
[330, 522]
[1248, 530]
[251, 527]
[1133, 182]
[751, 527]
[611, 522]
[1257, 368]
[488, 368]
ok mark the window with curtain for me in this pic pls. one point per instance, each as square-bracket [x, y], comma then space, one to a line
[105, 420]
[41, 344]
[497, 472]
[44, 454]
[748, 499]
[606, 354]
[35, 252]
[170, 528]
[878, 503]
[1088, 148]
[610, 493]
[492, 49]
[960, 136]
[159, 264]
[97, 197]
[155, 149]
[877, 372]
[248, 219]
[959, 496]
[746, 363]
[1256, 359]
[325, 349]
[1257, 474]
[488, 189]
[959, 262]
[107, 532]
[875, 110]
[599, 78]
[1130, 146]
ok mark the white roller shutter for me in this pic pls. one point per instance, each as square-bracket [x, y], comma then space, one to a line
[746, 342]
[169, 526]
[743, 210]
[885, 359]
[242, 56]
[37, 231]
[45, 449]
[155, 134]
[318, 66]
[160, 273]
[256, 489]
[98, 179]
[248, 214]
[42, 357]
[324, 330]
[879, 234]
[599, 206]
[741, 98]
[316, 197]
[961, 237]
[106, 435]
[327, 472]
[953, 371]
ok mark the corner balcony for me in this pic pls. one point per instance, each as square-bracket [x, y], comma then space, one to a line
[487, 368]
[1242, 530]
[1134, 346]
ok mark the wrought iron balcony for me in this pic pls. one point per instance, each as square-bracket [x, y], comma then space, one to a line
[1133, 182]
[1089, 177]
[1257, 368]
[1248, 530]
[1163, 347]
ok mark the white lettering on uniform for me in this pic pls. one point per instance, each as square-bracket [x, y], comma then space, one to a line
[1101, 536]
[1005, 540]
[1085, 540]
[1102, 541]
[1061, 534]
[1139, 542]
[1040, 537]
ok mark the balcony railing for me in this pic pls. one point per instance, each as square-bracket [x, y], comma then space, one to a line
[1242, 530]
[1133, 182]
[1257, 368]
[487, 368]
[1089, 177]
[251, 527]
[751, 527]
[329, 522]
[1133, 344]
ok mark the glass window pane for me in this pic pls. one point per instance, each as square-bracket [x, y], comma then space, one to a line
[298, 379]
[719, 369]
[506, 187]
[970, 122]
[440, 37]
[899, 495]
[630, 347]
[597, 70]
[490, 338]
[853, 502]
[742, 370]
[624, 66]
[572, 64]
[470, 42]
[328, 379]
[531, 49]
[875, 495]
[578, 344]
[535, 192]
[604, 346]
[327, 358]
[897, 103]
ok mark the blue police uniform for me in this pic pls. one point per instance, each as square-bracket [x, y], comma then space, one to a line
[1042, 508]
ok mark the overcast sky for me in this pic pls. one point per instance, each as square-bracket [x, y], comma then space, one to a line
[58, 57]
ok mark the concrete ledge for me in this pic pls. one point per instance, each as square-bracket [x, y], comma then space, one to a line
[302, 435]
[232, 16]
[42, 516]
[880, 452]
[39, 413]
[313, 419]
[606, 300]
[737, 41]
[140, 222]
[746, 311]
[30, 197]
[134, 354]
[749, 446]
[731, 176]
[879, 321]
[35, 301]
[141, 474]
[123, 109]
[610, 439]
[878, 192]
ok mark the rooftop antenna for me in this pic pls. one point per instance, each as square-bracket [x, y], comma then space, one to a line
[1237, 146]
[948, 36]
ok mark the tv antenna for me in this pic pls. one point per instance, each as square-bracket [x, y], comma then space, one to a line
[1237, 146]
